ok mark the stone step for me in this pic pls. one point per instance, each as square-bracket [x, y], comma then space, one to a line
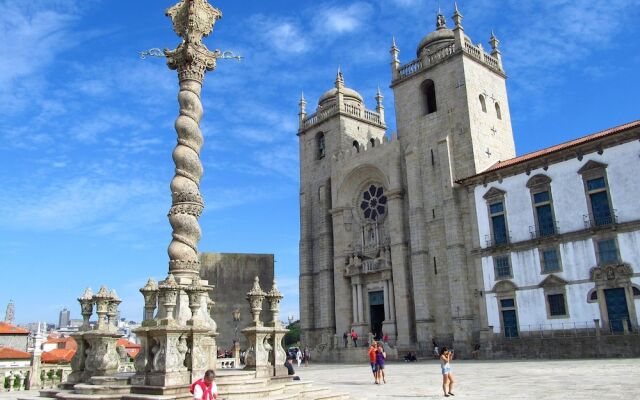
[82, 388]
[50, 393]
[79, 396]
[256, 383]
[239, 392]
[234, 375]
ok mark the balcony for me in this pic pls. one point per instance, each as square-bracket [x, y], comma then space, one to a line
[602, 219]
[497, 240]
[544, 230]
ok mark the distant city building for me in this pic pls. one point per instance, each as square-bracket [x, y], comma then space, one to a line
[64, 318]
[10, 314]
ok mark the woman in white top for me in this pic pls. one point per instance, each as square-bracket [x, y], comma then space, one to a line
[447, 377]
[299, 357]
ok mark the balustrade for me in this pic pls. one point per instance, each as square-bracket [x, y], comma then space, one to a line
[410, 68]
[333, 109]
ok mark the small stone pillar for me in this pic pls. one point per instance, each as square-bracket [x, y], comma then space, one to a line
[257, 356]
[150, 294]
[596, 323]
[35, 382]
[279, 354]
[86, 301]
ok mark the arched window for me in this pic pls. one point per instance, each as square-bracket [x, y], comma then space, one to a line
[592, 296]
[356, 145]
[483, 104]
[373, 142]
[498, 112]
[321, 145]
[428, 89]
[636, 292]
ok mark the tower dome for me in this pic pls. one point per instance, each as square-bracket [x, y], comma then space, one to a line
[350, 95]
[437, 39]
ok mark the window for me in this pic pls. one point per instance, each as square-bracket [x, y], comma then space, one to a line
[599, 199]
[428, 89]
[507, 303]
[321, 145]
[607, 251]
[502, 267]
[483, 103]
[498, 223]
[556, 305]
[550, 261]
[635, 291]
[544, 213]
[356, 145]
[498, 112]
[374, 203]
[540, 187]
[592, 297]
[596, 188]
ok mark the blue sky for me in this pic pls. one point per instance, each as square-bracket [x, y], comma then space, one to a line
[86, 127]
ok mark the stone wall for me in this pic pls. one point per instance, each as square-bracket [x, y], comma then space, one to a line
[232, 275]
[18, 342]
[562, 347]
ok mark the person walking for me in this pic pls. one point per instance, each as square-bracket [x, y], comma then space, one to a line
[372, 361]
[205, 388]
[447, 377]
[345, 338]
[354, 337]
[299, 357]
[380, 357]
[436, 352]
[307, 355]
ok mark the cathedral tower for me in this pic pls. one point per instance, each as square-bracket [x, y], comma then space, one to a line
[340, 124]
[453, 119]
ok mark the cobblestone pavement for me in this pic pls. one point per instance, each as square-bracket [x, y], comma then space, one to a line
[545, 380]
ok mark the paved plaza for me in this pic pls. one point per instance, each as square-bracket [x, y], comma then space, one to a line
[479, 380]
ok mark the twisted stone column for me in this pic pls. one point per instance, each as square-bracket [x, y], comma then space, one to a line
[192, 20]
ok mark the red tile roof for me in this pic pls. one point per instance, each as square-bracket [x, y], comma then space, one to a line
[58, 356]
[7, 353]
[132, 348]
[68, 342]
[562, 146]
[8, 329]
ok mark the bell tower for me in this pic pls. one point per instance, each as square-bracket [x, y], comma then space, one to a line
[454, 92]
[340, 124]
[452, 115]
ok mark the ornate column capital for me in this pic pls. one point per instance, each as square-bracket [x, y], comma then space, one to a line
[192, 20]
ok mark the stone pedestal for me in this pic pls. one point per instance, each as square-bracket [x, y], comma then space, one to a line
[259, 354]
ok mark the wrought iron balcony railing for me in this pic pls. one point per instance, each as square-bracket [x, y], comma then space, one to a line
[600, 219]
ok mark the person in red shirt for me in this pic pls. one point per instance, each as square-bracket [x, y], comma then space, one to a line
[206, 388]
[372, 360]
[354, 337]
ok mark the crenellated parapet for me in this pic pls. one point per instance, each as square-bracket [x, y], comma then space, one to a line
[366, 150]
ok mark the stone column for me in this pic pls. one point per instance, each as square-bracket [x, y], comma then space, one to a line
[354, 295]
[342, 220]
[360, 304]
[402, 298]
[422, 288]
[392, 305]
[385, 287]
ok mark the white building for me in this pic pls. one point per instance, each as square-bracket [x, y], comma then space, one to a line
[559, 236]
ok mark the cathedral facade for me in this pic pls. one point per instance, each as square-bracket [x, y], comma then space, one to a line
[385, 229]
[440, 232]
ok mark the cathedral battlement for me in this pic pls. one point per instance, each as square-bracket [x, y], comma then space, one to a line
[365, 150]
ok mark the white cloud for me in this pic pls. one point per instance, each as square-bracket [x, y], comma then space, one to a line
[339, 20]
[283, 35]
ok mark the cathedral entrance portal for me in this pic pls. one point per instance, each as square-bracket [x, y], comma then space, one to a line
[376, 313]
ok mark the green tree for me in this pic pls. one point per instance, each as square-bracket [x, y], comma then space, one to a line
[293, 336]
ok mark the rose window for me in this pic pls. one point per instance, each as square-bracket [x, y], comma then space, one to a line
[374, 203]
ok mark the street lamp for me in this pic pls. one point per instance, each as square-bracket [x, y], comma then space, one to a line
[290, 318]
[236, 319]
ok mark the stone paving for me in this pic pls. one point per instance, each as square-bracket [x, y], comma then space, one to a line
[479, 380]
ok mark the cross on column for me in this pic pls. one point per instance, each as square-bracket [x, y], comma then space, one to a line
[488, 152]
[494, 130]
[493, 98]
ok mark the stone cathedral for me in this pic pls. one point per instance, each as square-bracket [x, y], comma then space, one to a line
[386, 232]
